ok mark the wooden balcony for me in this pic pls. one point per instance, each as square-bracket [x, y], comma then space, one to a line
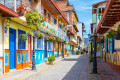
[70, 31]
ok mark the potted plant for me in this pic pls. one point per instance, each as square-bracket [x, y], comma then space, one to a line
[117, 36]
[68, 54]
[77, 53]
[23, 37]
[40, 35]
[51, 59]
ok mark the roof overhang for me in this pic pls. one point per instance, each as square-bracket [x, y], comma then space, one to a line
[53, 8]
[75, 26]
[69, 32]
[110, 16]
[7, 12]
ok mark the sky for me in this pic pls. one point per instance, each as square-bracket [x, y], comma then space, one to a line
[84, 12]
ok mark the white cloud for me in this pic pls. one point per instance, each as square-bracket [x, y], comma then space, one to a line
[87, 22]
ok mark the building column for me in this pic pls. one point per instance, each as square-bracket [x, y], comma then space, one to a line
[101, 13]
[63, 50]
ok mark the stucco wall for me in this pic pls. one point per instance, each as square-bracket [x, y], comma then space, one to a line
[1, 49]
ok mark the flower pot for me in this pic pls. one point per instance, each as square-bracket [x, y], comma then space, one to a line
[51, 62]
[116, 36]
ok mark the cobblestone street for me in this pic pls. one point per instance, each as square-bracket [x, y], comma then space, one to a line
[72, 68]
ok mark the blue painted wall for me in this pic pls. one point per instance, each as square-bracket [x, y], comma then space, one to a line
[55, 54]
[40, 56]
[70, 51]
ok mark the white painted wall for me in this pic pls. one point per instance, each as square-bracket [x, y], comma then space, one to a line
[79, 25]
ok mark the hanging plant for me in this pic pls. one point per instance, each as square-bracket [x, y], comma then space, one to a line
[40, 35]
[52, 38]
[33, 20]
[21, 10]
[117, 36]
[47, 38]
[71, 43]
[58, 39]
[111, 34]
[42, 18]
[66, 42]
[23, 37]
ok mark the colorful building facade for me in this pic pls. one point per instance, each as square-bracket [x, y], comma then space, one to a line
[17, 54]
[108, 23]
[70, 14]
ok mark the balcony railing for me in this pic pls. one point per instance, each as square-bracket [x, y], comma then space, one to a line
[50, 21]
[63, 34]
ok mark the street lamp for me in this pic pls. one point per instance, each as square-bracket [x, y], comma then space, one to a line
[63, 49]
[94, 57]
[90, 36]
[35, 35]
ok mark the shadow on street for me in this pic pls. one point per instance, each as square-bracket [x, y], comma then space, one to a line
[80, 70]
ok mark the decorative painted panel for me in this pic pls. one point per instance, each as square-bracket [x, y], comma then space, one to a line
[111, 45]
[59, 33]
[31, 56]
[25, 57]
[18, 58]
[22, 57]
[1, 66]
[114, 58]
[6, 58]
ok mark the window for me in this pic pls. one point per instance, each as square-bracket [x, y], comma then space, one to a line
[21, 44]
[18, 2]
[49, 18]
[55, 21]
[50, 45]
[40, 44]
[68, 16]
[9, 4]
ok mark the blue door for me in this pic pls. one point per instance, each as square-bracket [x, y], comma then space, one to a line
[12, 48]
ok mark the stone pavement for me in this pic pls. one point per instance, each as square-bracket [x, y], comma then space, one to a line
[105, 72]
[71, 68]
[18, 74]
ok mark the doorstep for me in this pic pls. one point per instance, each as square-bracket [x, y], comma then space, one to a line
[18, 74]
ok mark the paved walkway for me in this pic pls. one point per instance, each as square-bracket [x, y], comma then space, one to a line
[18, 74]
[106, 71]
[71, 68]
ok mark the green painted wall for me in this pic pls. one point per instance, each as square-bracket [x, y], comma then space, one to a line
[94, 18]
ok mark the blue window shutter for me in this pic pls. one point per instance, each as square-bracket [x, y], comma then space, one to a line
[42, 44]
[106, 45]
[51, 46]
[55, 21]
[111, 45]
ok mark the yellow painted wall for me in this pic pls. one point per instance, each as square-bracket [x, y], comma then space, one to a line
[74, 18]
[16, 26]
[56, 45]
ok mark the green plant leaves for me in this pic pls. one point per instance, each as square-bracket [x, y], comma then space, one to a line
[23, 37]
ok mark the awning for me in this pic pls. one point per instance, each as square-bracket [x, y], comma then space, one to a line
[7, 12]
[110, 17]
